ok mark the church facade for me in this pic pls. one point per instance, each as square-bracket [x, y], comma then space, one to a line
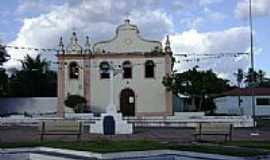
[138, 89]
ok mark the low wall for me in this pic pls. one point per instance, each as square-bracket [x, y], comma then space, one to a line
[88, 119]
[186, 115]
[29, 105]
[170, 121]
[79, 116]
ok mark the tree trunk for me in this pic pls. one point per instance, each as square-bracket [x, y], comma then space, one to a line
[193, 104]
[200, 103]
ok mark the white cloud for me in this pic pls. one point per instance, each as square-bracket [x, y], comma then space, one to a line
[231, 40]
[193, 23]
[259, 8]
[209, 16]
[217, 16]
[208, 2]
[154, 24]
[98, 19]
[183, 4]
[34, 6]
[214, 15]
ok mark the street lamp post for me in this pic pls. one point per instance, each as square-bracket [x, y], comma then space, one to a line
[252, 65]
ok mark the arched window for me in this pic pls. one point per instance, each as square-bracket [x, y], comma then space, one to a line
[104, 70]
[127, 69]
[149, 69]
[74, 72]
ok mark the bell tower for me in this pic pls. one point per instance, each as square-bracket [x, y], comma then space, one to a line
[73, 71]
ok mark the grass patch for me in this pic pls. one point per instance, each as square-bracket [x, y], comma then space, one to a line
[219, 149]
[107, 146]
[101, 146]
[251, 144]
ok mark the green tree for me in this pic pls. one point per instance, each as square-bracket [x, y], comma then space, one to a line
[3, 82]
[256, 80]
[251, 77]
[239, 77]
[34, 80]
[4, 56]
[199, 85]
[76, 102]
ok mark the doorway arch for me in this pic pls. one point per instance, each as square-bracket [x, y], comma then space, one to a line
[127, 102]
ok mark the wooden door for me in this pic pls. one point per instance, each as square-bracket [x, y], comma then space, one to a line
[127, 102]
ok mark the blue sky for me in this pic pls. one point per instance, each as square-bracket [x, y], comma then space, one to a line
[195, 26]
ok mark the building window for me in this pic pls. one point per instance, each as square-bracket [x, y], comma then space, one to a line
[263, 101]
[127, 69]
[104, 70]
[149, 69]
[74, 70]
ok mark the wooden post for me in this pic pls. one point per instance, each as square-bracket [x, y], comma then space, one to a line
[42, 131]
[231, 128]
[80, 132]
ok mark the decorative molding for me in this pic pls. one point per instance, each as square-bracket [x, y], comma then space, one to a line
[87, 82]
[142, 114]
[168, 94]
[61, 89]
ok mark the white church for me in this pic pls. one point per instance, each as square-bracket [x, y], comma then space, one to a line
[138, 89]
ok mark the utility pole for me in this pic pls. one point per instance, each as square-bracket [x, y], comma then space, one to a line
[252, 65]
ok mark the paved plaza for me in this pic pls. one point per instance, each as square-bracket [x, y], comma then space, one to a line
[180, 135]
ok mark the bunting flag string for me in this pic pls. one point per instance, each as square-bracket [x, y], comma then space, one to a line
[176, 54]
[235, 54]
[96, 66]
[29, 48]
[191, 57]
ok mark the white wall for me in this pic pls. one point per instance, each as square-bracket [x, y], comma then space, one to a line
[229, 104]
[149, 92]
[36, 105]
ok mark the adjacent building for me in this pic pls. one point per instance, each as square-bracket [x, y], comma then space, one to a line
[239, 102]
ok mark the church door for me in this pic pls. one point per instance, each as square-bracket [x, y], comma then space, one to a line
[108, 125]
[127, 102]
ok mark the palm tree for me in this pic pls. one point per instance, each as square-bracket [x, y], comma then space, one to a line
[251, 78]
[35, 64]
[35, 79]
[261, 76]
[239, 79]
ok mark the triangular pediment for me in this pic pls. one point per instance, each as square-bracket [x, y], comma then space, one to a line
[127, 40]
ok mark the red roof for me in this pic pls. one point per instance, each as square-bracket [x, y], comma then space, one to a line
[247, 92]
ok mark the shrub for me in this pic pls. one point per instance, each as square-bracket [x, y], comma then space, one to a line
[76, 102]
